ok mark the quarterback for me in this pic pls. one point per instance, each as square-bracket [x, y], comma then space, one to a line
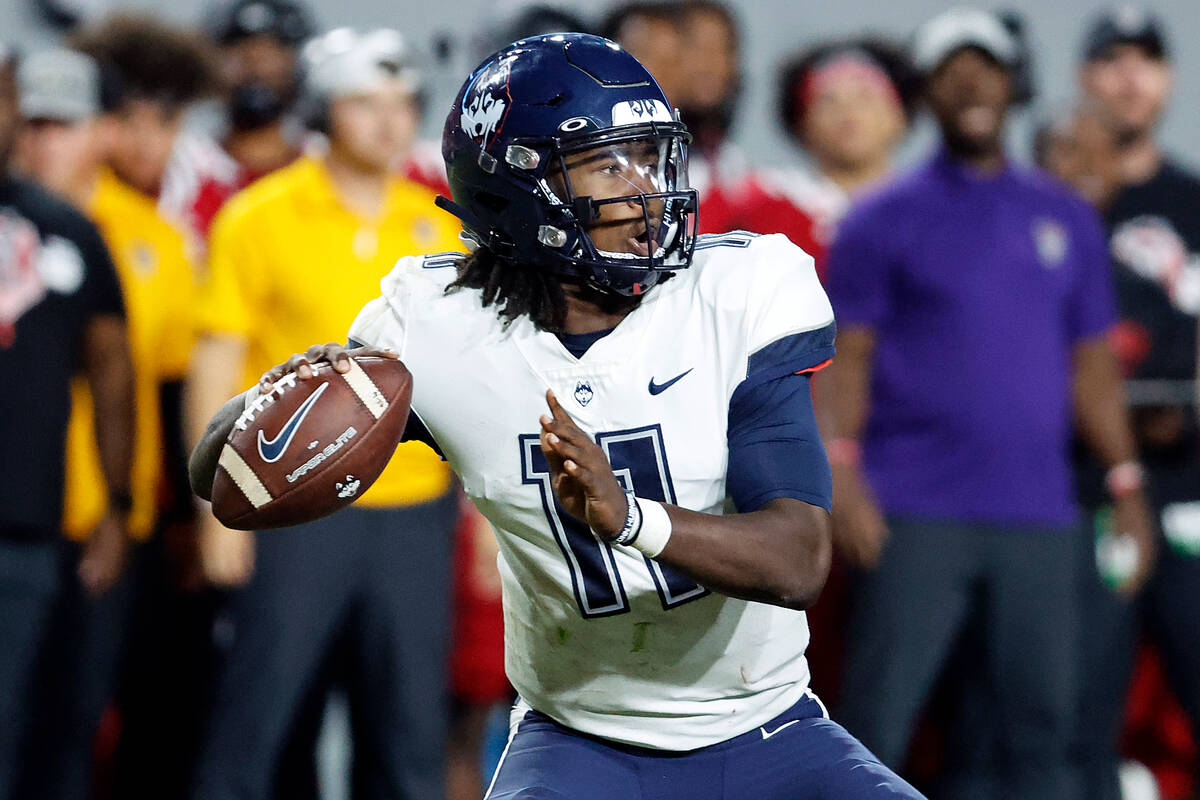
[628, 404]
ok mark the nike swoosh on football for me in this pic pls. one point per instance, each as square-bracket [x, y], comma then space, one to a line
[272, 450]
[659, 388]
[767, 735]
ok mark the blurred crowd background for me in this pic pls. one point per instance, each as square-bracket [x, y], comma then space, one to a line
[195, 191]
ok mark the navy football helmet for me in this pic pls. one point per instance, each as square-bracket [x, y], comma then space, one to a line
[549, 108]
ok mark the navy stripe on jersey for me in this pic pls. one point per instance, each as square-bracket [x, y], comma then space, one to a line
[441, 260]
[738, 239]
[794, 353]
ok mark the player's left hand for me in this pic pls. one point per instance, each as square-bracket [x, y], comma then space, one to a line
[581, 474]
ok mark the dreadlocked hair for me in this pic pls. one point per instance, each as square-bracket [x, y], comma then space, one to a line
[514, 291]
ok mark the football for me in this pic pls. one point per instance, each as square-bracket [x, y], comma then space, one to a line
[310, 447]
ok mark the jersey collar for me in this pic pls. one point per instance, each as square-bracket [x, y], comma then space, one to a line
[548, 356]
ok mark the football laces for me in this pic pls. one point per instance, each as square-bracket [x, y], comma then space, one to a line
[263, 400]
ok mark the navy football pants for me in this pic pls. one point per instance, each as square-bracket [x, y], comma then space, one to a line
[800, 754]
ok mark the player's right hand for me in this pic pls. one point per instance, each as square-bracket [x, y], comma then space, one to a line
[859, 529]
[333, 353]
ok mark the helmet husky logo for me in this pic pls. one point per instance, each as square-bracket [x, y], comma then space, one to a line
[483, 106]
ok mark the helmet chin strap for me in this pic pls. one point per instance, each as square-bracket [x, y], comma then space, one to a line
[493, 241]
[446, 204]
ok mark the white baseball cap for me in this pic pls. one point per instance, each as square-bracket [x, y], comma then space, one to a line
[952, 30]
[59, 84]
[345, 62]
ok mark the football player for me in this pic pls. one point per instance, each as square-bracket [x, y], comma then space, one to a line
[608, 386]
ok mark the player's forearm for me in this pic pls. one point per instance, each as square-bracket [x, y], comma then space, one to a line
[779, 554]
[1103, 419]
[109, 372]
[202, 465]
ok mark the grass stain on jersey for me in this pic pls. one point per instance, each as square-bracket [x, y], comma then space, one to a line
[564, 635]
[640, 631]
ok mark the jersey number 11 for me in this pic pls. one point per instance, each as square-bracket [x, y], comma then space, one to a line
[639, 460]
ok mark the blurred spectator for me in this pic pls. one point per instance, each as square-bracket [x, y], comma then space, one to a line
[510, 20]
[293, 258]
[1081, 149]
[847, 104]
[972, 297]
[258, 44]
[693, 48]
[61, 313]
[1153, 222]
[649, 30]
[75, 125]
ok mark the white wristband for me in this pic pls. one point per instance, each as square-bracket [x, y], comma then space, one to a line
[656, 528]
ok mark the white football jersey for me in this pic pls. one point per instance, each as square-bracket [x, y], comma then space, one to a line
[599, 637]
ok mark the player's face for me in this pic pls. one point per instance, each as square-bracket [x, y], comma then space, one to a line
[144, 135]
[1131, 87]
[969, 94]
[852, 122]
[58, 154]
[628, 169]
[1084, 155]
[375, 129]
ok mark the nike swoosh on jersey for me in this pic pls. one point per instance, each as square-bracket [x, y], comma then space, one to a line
[272, 450]
[768, 735]
[659, 388]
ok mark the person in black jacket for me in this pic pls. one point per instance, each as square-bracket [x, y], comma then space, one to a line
[61, 313]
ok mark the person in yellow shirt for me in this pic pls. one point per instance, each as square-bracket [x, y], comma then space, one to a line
[77, 129]
[294, 257]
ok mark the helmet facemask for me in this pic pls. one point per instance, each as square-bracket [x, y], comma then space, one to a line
[623, 217]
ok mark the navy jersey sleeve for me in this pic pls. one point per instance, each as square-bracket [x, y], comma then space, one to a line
[774, 447]
[796, 353]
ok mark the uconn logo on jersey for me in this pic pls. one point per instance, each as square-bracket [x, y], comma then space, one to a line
[584, 393]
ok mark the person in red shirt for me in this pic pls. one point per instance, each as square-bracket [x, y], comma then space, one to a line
[847, 103]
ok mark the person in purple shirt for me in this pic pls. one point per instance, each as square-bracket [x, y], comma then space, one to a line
[972, 298]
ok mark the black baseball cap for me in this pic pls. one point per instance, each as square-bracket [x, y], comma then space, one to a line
[1127, 24]
[230, 21]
